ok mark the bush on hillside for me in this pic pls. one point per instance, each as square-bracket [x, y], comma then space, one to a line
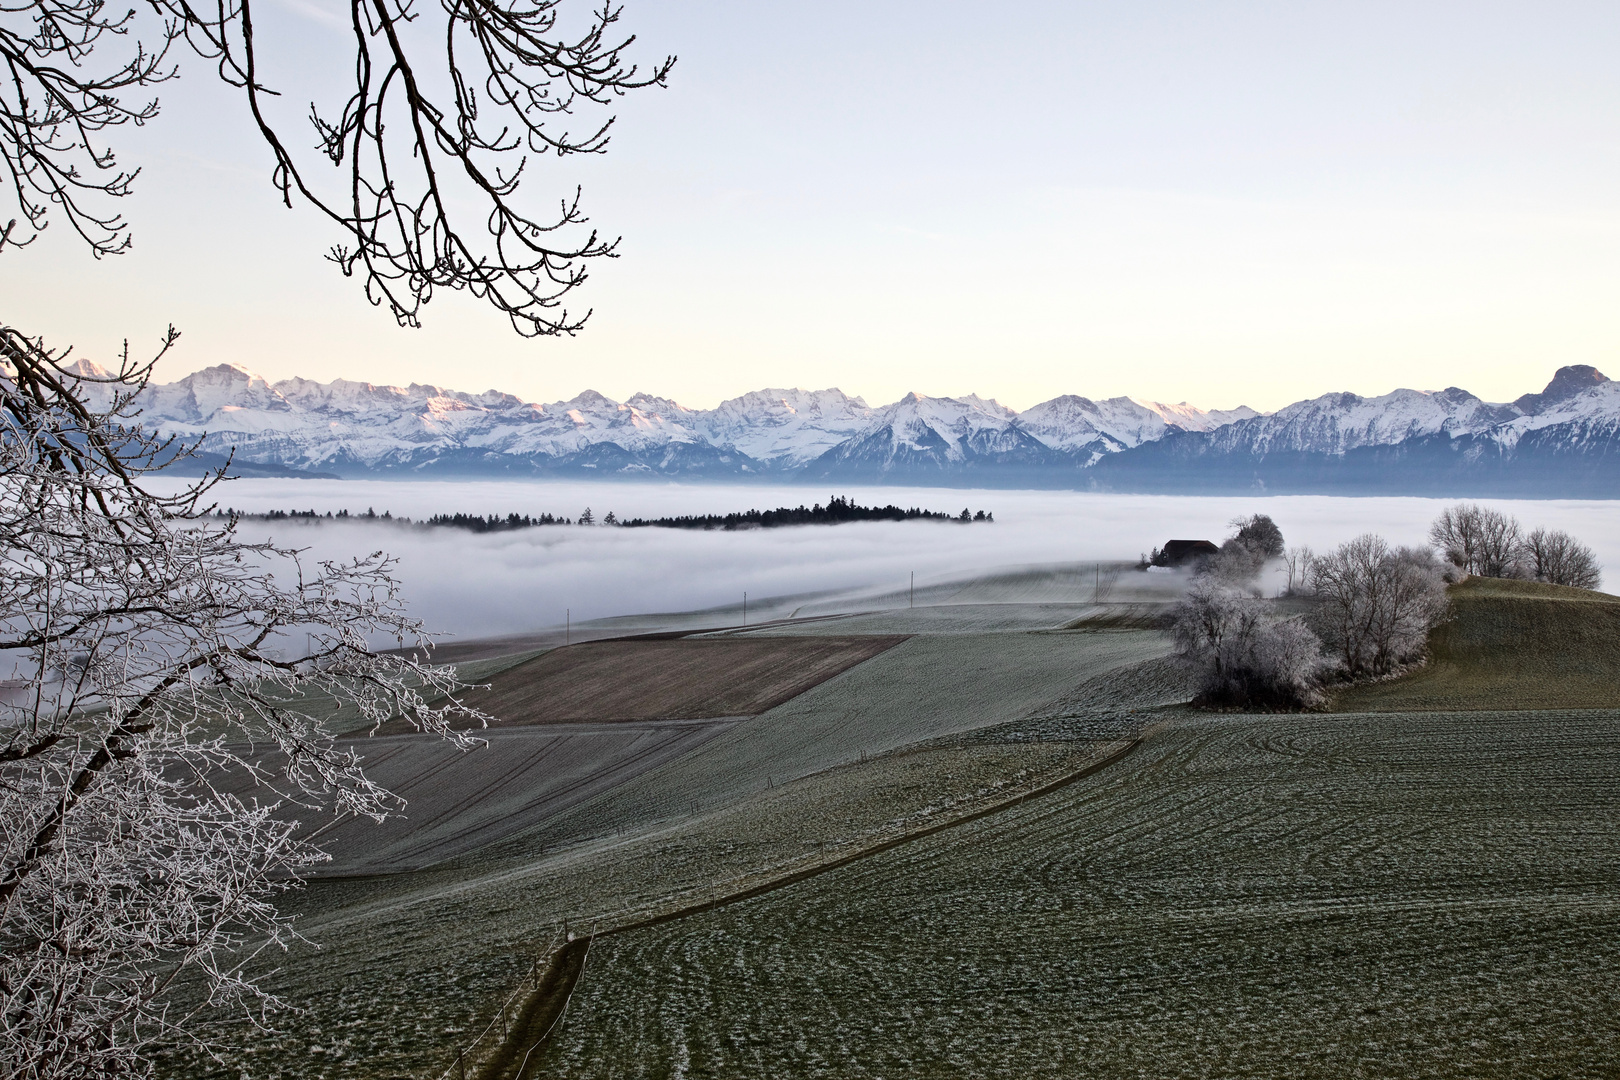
[1243, 654]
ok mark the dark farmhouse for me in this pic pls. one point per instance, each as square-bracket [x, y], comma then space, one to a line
[1184, 552]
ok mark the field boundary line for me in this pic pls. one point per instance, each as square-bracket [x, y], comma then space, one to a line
[559, 961]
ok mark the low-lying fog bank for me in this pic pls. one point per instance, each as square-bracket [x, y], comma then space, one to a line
[473, 585]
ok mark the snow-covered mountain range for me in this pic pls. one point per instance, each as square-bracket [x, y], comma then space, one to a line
[1404, 440]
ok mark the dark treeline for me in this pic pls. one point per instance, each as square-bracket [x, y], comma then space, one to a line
[837, 511]
[470, 522]
[493, 523]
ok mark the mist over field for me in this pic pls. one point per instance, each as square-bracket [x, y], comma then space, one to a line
[471, 585]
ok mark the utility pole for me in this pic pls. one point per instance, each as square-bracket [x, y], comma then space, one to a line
[745, 607]
[914, 588]
[568, 626]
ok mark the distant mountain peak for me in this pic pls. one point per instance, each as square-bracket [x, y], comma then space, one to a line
[357, 428]
[1566, 382]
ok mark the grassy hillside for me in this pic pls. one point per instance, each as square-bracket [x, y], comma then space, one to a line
[1511, 645]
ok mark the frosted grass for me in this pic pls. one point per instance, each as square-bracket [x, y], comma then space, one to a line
[470, 585]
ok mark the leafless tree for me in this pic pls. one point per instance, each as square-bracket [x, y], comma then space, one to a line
[1297, 564]
[1478, 540]
[1242, 653]
[150, 689]
[1376, 606]
[419, 169]
[1559, 558]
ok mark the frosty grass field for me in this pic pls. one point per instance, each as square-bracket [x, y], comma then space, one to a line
[1376, 893]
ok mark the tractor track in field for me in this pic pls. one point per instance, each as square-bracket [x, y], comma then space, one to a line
[517, 1056]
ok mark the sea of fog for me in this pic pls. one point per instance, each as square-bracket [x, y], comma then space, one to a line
[470, 585]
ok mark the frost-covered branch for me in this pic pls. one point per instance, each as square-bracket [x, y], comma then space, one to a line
[154, 726]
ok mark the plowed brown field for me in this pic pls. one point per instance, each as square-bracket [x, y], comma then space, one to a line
[662, 679]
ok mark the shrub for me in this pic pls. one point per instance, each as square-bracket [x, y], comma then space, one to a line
[1242, 653]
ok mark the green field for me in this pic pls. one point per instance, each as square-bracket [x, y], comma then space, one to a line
[1511, 645]
[912, 869]
[412, 966]
[1246, 896]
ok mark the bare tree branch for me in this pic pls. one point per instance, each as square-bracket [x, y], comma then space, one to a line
[431, 147]
[151, 643]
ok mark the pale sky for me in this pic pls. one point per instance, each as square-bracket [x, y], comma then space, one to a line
[1227, 203]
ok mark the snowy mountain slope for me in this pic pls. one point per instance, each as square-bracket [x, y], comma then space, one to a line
[791, 427]
[1093, 428]
[1564, 441]
[1566, 383]
[1191, 418]
[1592, 413]
[1401, 440]
[1335, 423]
[920, 435]
[1074, 423]
[353, 425]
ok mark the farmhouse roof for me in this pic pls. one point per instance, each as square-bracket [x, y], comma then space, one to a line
[1181, 552]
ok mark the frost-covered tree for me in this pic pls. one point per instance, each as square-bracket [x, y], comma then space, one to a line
[1376, 605]
[1242, 653]
[171, 690]
[1557, 557]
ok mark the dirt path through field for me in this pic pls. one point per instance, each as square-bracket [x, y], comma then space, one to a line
[517, 1056]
